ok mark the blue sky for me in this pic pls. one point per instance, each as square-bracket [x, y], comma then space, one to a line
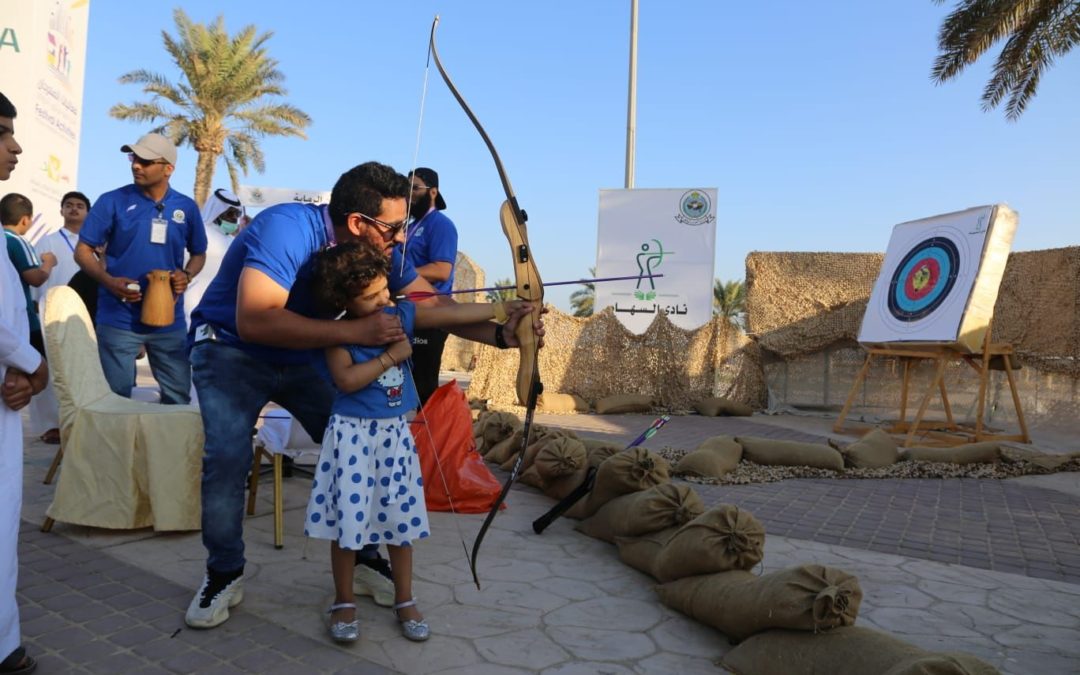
[817, 122]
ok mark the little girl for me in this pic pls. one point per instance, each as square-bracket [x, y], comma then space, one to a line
[367, 487]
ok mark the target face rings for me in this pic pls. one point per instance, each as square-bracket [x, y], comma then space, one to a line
[923, 279]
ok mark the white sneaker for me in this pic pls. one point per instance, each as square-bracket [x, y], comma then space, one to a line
[210, 606]
[367, 581]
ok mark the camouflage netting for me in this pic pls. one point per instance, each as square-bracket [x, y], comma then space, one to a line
[460, 354]
[597, 357]
[801, 303]
[805, 310]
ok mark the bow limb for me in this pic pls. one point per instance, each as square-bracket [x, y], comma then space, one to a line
[529, 287]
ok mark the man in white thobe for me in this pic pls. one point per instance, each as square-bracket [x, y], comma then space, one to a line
[17, 359]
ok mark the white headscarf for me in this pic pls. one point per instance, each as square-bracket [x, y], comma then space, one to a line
[218, 203]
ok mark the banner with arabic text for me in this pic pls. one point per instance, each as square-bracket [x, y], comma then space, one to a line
[43, 61]
[654, 232]
[254, 197]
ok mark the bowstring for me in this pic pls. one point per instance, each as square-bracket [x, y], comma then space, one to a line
[438, 465]
[416, 147]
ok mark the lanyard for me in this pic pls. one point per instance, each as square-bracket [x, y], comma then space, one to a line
[66, 240]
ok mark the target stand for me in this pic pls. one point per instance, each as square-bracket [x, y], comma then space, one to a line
[982, 363]
[934, 299]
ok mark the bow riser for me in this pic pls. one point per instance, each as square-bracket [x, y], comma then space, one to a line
[529, 288]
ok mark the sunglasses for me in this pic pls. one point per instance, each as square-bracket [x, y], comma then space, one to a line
[388, 230]
[135, 159]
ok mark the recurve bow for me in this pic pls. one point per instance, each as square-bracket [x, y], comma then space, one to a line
[529, 288]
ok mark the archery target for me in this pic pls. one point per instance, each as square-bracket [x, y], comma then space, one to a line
[930, 270]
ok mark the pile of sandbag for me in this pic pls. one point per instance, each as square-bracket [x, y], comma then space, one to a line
[720, 455]
[792, 621]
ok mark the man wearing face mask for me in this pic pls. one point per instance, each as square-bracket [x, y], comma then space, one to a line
[431, 247]
[221, 214]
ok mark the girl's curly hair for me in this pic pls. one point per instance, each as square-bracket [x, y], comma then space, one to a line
[342, 272]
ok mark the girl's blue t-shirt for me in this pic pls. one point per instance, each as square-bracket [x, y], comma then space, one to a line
[394, 393]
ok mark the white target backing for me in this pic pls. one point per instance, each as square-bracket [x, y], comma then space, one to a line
[940, 279]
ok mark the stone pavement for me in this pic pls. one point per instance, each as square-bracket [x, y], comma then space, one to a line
[562, 603]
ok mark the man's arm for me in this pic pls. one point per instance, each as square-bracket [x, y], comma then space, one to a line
[181, 278]
[88, 262]
[435, 271]
[481, 331]
[261, 318]
[35, 276]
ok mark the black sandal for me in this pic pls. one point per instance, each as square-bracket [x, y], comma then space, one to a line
[17, 663]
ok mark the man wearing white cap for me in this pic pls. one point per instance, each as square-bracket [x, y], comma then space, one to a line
[221, 214]
[143, 226]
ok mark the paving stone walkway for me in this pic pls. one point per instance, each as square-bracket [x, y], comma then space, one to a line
[989, 524]
[562, 604]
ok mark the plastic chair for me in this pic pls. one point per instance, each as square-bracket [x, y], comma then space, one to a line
[279, 436]
[126, 464]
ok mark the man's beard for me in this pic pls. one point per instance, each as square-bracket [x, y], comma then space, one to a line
[419, 210]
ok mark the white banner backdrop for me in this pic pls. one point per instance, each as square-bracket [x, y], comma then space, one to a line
[665, 231]
[43, 61]
[261, 197]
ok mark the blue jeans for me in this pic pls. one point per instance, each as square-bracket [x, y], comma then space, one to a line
[233, 387]
[168, 356]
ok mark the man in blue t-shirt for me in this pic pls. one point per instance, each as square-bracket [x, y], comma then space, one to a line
[143, 226]
[432, 250]
[254, 336]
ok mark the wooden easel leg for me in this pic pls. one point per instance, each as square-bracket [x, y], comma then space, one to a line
[984, 381]
[925, 403]
[47, 525]
[839, 426]
[945, 402]
[905, 380]
[253, 481]
[279, 507]
[1016, 398]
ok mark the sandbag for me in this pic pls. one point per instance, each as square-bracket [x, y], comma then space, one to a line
[874, 450]
[494, 426]
[498, 453]
[562, 403]
[969, 453]
[642, 552]
[597, 450]
[564, 450]
[560, 486]
[848, 650]
[623, 403]
[722, 539]
[638, 513]
[935, 663]
[561, 457]
[712, 407]
[629, 471]
[770, 452]
[715, 457]
[740, 604]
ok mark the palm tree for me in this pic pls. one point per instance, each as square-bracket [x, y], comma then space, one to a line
[729, 301]
[223, 103]
[582, 300]
[1035, 32]
[505, 294]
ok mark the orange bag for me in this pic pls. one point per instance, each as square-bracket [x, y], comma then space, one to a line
[446, 423]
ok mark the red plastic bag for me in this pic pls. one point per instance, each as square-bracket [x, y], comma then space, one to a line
[457, 474]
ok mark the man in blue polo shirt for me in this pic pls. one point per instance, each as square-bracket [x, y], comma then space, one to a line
[254, 339]
[143, 226]
[432, 249]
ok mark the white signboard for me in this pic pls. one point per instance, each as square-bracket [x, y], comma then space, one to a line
[261, 197]
[940, 278]
[657, 232]
[43, 60]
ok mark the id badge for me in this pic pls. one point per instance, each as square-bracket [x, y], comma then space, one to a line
[159, 228]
